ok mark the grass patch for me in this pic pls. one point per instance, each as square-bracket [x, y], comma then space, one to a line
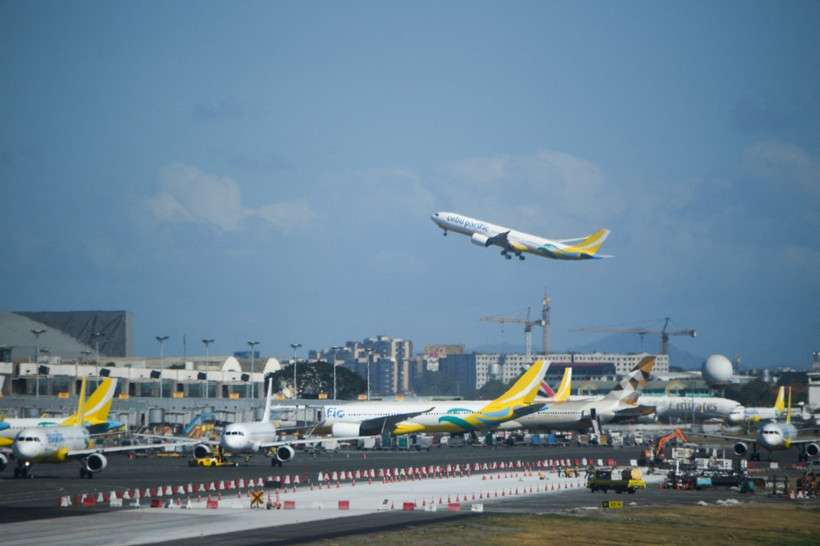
[747, 524]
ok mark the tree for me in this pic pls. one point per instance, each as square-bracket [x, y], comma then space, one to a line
[435, 384]
[314, 378]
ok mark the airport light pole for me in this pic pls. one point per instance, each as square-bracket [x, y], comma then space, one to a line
[207, 343]
[97, 336]
[369, 358]
[37, 333]
[335, 350]
[161, 339]
[252, 344]
[294, 346]
[86, 354]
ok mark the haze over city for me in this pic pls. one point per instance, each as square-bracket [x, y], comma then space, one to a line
[267, 171]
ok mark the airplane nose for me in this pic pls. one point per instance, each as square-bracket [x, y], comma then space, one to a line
[25, 451]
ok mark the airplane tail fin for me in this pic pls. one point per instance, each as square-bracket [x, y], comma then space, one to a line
[780, 403]
[565, 388]
[630, 387]
[590, 245]
[523, 391]
[97, 406]
[789, 410]
[81, 404]
[266, 416]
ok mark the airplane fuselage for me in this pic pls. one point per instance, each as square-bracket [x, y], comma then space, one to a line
[49, 444]
[690, 407]
[247, 437]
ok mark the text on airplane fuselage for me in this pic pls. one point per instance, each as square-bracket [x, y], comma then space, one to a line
[55, 437]
[334, 413]
[468, 224]
[691, 405]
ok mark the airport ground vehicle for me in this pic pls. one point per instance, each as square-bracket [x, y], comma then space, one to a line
[215, 459]
[606, 478]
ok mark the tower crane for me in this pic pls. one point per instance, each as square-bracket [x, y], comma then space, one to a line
[642, 332]
[544, 322]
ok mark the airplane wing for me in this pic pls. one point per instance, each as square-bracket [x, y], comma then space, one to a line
[78, 453]
[377, 425]
[632, 412]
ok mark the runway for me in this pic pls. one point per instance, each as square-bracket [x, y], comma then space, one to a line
[391, 491]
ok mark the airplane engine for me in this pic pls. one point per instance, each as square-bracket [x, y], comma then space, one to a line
[480, 240]
[96, 462]
[741, 448]
[285, 453]
[3, 462]
[812, 450]
[202, 451]
[344, 430]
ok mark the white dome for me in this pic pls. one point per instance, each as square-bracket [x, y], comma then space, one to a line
[231, 364]
[271, 366]
[717, 369]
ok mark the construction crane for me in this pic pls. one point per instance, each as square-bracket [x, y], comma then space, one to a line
[642, 332]
[544, 322]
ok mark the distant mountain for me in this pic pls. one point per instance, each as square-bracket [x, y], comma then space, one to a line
[615, 343]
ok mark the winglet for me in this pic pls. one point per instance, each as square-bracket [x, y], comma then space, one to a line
[523, 391]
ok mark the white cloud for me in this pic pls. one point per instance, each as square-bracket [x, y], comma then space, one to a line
[784, 162]
[189, 195]
[548, 185]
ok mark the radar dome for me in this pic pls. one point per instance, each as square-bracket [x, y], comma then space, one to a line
[717, 370]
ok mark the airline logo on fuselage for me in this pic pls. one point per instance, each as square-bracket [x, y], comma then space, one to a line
[55, 437]
[474, 225]
[334, 413]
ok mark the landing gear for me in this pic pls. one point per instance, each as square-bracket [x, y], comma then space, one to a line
[85, 473]
[507, 255]
[23, 471]
[275, 462]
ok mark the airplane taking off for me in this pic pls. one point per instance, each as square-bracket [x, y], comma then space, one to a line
[96, 416]
[485, 234]
[251, 437]
[773, 436]
[57, 444]
[370, 419]
[619, 404]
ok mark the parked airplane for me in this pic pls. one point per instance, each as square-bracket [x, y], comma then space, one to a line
[619, 404]
[485, 234]
[772, 413]
[58, 444]
[96, 416]
[373, 418]
[773, 436]
[251, 438]
[694, 408]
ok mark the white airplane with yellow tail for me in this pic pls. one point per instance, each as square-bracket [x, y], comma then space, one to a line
[55, 444]
[484, 234]
[773, 436]
[96, 419]
[458, 416]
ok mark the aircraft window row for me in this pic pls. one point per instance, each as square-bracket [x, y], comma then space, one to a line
[28, 439]
[234, 433]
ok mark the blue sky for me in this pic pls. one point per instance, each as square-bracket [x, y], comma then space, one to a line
[266, 170]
